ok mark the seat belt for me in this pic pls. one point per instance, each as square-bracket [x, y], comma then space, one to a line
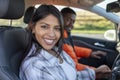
[71, 40]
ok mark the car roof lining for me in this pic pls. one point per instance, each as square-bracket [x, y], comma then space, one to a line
[72, 3]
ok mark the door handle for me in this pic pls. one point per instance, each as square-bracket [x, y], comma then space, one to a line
[99, 44]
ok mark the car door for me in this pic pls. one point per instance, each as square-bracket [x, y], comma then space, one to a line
[107, 46]
[95, 39]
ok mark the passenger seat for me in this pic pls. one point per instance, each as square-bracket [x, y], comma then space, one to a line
[13, 40]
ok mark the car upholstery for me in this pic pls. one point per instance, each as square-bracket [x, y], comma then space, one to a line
[13, 40]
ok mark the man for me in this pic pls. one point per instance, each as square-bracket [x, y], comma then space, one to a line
[74, 51]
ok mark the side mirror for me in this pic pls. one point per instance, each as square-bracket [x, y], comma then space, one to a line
[110, 35]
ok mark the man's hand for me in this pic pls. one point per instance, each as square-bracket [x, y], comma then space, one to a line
[97, 54]
[103, 72]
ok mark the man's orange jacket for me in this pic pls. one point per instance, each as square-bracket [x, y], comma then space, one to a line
[76, 52]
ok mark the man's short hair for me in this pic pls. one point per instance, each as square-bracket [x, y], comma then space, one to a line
[66, 10]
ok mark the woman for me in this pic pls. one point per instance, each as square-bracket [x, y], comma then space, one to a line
[46, 60]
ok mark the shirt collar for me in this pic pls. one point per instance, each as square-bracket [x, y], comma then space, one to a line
[49, 57]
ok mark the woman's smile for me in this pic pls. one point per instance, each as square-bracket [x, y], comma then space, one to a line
[49, 41]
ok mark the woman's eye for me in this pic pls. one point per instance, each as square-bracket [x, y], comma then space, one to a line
[44, 27]
[57, 28]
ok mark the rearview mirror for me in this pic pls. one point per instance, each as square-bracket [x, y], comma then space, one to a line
[110, 35]
[113, 7]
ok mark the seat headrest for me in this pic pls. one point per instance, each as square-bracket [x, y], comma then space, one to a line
[11, 9]
[28, 14]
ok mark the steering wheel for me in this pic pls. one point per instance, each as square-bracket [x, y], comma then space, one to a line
[116, 69]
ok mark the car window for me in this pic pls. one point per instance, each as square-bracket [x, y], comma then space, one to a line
[91, 25]
[4, 22]
[16, 22]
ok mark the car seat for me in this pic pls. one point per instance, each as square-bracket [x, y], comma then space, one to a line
[13, 40]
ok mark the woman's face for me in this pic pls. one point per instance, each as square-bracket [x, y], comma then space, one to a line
[47, 32]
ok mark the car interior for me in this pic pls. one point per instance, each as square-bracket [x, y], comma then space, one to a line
[15, 40]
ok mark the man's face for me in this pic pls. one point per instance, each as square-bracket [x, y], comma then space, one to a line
[69, 20]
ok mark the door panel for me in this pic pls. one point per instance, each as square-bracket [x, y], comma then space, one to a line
[97, 44]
